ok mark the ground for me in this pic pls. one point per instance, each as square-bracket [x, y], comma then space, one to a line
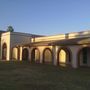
[26, 76]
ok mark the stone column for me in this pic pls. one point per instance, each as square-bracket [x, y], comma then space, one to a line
[54, 55]
[41, 57]
[29, 57]
[41, 53]
[20, 53]
[8, 56]
[74, 60]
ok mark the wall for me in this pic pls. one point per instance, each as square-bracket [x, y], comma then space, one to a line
[62, 36]
[19, 39]
[13, 39]
[5, 38]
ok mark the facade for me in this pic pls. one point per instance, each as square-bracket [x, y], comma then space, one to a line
[71, 49]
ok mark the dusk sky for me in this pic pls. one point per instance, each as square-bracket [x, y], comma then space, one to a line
[45, 17]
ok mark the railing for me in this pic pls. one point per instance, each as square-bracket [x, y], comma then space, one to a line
[62, 36]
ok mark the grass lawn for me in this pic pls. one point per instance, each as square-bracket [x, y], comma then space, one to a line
[26, 76]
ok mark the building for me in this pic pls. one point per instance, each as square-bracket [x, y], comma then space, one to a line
[71, 49]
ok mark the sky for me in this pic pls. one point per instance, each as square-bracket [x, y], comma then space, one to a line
[45, 17]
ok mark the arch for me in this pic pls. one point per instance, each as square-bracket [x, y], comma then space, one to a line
[64, 56]
[4, 51]
[15, 53]
[84, 56]
[35, 55]
[47, 56]
[25, 54]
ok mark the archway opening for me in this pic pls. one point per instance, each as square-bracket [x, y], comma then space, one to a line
[64, 57]
[47, 56]
[35, 55]
[4, 51]
[84, 57]
[15, 53]
[25, 54]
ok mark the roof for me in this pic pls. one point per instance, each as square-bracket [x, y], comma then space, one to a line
[75, 41]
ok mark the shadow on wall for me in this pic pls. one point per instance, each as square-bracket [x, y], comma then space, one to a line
[4, 51]
[25, 54]
[35, 55]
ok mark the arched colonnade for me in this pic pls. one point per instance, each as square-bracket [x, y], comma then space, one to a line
[57, 55]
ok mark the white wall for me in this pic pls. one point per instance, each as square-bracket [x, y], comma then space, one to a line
[5, 38]
[19, 39]
[12, 39]
[63, 36]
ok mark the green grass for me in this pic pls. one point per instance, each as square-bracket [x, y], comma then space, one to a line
[26, 76]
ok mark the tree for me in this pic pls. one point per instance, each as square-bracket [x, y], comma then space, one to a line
[10, 29]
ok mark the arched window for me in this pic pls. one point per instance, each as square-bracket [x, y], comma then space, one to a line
[25, 54]
[84, 56]
[47, 56]
[35, 55]
[4, 51]
[64, 56]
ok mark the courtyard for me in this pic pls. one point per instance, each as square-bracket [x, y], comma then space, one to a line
[30, 76]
